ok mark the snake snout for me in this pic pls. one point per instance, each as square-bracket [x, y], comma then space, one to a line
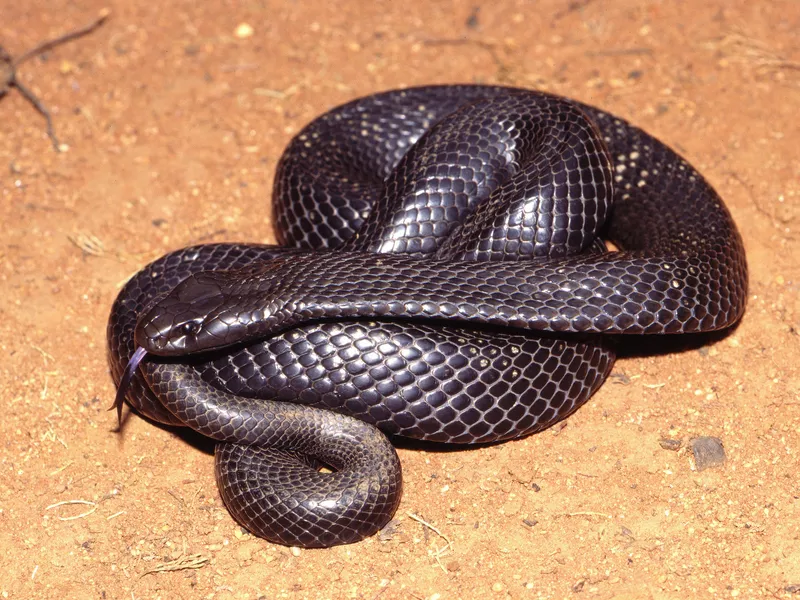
[184, 321]
[164, 335]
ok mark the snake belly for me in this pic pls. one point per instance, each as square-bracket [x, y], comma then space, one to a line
[440, 274]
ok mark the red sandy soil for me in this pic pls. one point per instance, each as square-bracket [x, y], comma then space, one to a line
[174, 126]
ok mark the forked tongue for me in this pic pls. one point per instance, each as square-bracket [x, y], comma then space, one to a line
[125, 382]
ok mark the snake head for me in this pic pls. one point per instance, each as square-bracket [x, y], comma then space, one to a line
[215, 309]
[191, 318]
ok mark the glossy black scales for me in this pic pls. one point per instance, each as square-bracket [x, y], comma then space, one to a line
[439, 276]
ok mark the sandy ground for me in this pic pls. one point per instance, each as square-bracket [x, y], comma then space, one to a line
[174, 125]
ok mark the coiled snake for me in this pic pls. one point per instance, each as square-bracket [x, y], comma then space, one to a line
[439, 275]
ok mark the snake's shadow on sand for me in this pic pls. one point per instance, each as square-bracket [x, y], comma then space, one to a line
[626, 347]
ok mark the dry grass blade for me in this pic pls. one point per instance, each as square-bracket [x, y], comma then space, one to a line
[182, 563]
[88, 243]
[441, 551]
[72, 502]
[741, 48]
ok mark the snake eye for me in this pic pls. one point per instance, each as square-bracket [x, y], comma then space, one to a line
[190, 328]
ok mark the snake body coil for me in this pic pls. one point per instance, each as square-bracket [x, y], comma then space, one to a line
[439, 275]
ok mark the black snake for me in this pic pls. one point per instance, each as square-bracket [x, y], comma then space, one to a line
[439, 275]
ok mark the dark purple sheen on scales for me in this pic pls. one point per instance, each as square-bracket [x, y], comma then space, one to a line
[440, 275]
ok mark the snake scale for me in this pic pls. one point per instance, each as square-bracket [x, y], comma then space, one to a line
[440, 274]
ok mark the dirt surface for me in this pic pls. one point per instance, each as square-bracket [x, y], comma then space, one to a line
[174, 124]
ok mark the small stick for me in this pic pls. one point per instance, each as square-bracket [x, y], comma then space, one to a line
[8, 70]
[45, 46]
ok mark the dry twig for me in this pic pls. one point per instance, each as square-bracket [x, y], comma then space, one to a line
[9, 64]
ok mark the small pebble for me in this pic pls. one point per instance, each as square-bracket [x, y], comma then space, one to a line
[620, 378]
[497, 587]
[792, 589]
[669, 444]
[472, 21]
[243, 31]
[708, 452]
[244, 552]
[295, 551]
[389, 530]
[626, 532]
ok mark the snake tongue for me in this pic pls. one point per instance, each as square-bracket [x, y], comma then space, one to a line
[125, 381]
